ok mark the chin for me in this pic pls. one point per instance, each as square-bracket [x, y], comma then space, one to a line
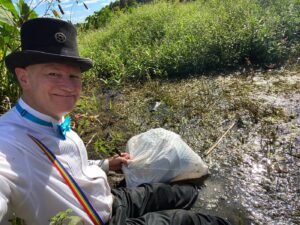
[65, 106]
[63, 111]
[66, 111]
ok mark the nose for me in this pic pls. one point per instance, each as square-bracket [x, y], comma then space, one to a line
[69, 84]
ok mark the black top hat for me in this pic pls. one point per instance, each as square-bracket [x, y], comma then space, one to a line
[47, 40]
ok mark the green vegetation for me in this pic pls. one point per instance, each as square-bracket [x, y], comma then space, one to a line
[100, 18]
[64, 217]
[11, 18]
[179, 39]
[98, 122]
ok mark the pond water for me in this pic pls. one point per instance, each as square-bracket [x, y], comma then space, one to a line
[256, 179]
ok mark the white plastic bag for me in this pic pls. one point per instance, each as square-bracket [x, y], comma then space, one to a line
[160, 155]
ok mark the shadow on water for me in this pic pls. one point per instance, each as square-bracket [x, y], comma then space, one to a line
[217, 197]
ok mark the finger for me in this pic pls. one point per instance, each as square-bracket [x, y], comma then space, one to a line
[125, 161]
[126, 155]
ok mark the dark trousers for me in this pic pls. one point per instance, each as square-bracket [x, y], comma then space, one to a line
[159, 204]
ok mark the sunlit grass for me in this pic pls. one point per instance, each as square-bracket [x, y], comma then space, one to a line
[180, 39]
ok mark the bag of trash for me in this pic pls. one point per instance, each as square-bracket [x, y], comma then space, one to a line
[160, 155]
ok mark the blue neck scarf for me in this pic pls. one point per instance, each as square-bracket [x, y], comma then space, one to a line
[62, 128]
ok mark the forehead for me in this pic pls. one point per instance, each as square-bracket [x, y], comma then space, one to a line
[57, 67]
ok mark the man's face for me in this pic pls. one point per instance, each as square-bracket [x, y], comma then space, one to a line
[50, 88]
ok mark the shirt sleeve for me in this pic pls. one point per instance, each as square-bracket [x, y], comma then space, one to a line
[7, 181]
[15, 179]
[103, 164]
[4, 197]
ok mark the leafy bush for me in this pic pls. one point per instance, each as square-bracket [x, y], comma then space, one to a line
[177, 39]
[100, 18]
[11, 18]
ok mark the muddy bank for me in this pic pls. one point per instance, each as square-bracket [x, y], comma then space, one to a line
[255, 176]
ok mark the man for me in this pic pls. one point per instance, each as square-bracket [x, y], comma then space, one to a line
[44, 167]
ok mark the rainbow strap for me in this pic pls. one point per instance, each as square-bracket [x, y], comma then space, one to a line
[89, 209]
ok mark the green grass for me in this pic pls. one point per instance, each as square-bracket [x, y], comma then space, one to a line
[179, 39]
[9, 90]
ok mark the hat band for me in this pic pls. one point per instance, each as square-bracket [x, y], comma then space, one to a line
[71, 52]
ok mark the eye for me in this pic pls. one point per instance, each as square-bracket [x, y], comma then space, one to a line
[75, 76]
[52, 74]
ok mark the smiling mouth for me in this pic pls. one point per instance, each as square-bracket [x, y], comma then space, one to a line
[64, 96]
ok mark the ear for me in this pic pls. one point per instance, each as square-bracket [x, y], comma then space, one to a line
[22, 76]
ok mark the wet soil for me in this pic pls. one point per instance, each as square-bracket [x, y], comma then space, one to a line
[254, 170]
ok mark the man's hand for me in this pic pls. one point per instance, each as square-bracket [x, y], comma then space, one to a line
[115, 163]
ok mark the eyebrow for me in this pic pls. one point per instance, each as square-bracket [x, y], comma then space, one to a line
[56, 68]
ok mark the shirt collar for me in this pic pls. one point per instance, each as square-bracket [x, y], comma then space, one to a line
[39, 115]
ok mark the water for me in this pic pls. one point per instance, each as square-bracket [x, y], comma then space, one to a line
[254, 190]
[255, 176]
[257, 180]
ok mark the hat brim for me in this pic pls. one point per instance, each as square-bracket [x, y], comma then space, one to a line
[28, 57]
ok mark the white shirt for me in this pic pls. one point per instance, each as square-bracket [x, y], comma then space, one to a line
[31, 187]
